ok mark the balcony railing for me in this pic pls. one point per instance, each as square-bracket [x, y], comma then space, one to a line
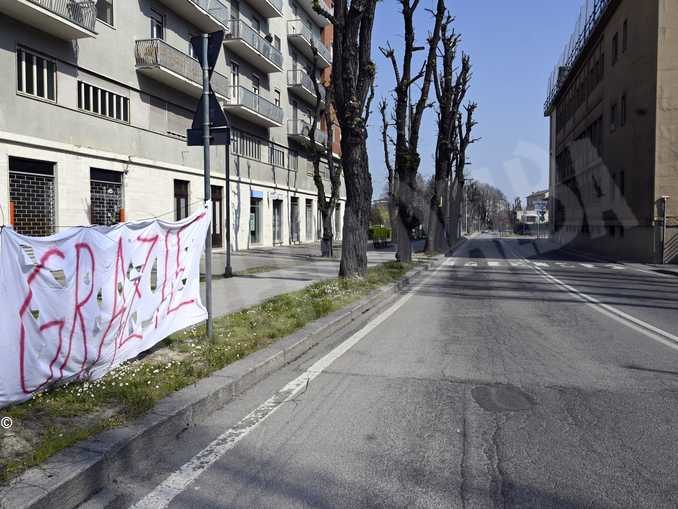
[297, 27]
[80, 12]
[206, 15]
[302, 128]
[216, 9]
[245, 97]
[300, 78]
[157, 53]
[241, 30]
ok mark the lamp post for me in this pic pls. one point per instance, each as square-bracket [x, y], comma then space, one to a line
[228, 271]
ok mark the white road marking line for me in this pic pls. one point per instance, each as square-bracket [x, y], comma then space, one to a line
[518, 264]
[178, 481]
[588, 265]
[615, 267]
[565, 265]
[494, 264]
[540, 264]
[470, 264]
[632, 322]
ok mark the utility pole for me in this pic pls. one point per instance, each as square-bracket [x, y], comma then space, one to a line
[208, 188]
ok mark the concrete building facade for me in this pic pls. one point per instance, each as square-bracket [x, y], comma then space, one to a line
[613, 108]
[96, 97]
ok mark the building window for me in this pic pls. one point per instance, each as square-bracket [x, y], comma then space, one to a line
[294, 160]
[36, 75]
[276, 97]
[625, 36]
[102, 102]
[180, 199]
[105, 11]
[613, 117]
[622, 112]
[615, 48]
[157, 25]
[256, 84]
[32, 193]
[276, 156]
[105, 196]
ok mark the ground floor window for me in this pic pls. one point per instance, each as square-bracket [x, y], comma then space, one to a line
[106, 200]
[32, 196]
[217, 216]
[180, 199]
[337, 222]
[255, 220]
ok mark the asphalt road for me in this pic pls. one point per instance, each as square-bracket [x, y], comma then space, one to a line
[491, 385]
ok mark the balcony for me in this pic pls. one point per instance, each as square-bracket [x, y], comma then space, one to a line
[246, 42]
[65, 19]
[207, 15]
[299, 82]
[302, 38]
[318, 19]
[166, 64]
[254, 108]
[298, 131]
[268, 8]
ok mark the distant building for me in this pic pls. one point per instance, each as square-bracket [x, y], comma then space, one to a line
[613, 108]
[528, 218]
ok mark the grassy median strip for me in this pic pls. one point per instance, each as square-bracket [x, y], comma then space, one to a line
[59, 418]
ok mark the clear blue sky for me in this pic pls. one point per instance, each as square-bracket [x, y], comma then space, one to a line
[514, 46]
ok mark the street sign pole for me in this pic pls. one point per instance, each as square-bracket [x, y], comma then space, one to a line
[228, 271]
[208, 188]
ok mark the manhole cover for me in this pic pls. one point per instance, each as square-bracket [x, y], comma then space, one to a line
[502, 398]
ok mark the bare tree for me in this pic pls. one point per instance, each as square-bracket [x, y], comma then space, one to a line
[353, 89]
[463, 140]
[450, 92]
[407, 157]
[320, 152]
[391, 191]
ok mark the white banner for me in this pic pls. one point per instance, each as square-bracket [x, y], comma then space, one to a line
[79, 303]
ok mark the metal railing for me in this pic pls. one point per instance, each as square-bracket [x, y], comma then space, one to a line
[299, 77]
[241, 30]
[216, 9]
[301, 127]
[298, 27]
[248, 99]
[80, 12]
[156, 52]
[589, 15]
[277, 4]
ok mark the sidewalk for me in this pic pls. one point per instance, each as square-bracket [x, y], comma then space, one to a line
[296, 268]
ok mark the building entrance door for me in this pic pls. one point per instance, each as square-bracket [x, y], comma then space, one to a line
[294, 220]
[277, 221]
[255, 220]
[217, 217]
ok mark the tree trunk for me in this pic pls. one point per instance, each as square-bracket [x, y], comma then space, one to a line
[358, 184]
[326, 247]
[455, 213]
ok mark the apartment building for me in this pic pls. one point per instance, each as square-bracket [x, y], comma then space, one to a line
[613, 108]
[96, 97]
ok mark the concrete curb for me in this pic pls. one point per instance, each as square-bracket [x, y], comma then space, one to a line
[72, 476]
